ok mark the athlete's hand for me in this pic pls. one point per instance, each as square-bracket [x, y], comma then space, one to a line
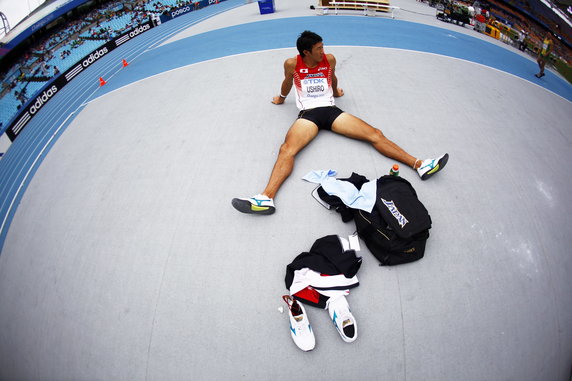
[278, 100]
[339, 93]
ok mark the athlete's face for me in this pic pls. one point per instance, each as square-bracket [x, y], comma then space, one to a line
[317, 52]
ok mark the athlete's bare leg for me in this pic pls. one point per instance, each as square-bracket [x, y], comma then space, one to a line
[541, 64]
[299, 135]
[353, 127]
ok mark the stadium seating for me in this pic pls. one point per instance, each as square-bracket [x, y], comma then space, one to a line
[64, 51]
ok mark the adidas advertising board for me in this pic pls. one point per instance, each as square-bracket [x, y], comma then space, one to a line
[180, 11]
[186, 9]
[50, 90]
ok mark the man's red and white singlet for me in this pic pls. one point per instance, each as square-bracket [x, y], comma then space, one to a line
[313, 85]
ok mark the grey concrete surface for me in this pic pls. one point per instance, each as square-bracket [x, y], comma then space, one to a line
[126, 261]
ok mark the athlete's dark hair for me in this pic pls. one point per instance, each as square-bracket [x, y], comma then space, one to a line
[306, 40]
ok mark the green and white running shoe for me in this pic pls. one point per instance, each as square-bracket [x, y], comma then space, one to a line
[257, 204]
[300, 327]
[430, 167]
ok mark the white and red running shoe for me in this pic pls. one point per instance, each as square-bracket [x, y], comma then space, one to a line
[300, 327]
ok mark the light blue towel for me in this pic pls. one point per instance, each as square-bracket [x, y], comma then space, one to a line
[363, 199]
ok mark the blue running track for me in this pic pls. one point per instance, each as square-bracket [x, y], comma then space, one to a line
[148, 58]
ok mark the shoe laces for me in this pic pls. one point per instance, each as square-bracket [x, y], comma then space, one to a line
[343, 313]
[430, 165]
[260, 199]
[297, 313]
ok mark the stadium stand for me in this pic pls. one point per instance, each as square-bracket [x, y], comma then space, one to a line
[60, 50]
[65, 45]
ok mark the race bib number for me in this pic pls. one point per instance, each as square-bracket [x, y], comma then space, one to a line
[314, 87]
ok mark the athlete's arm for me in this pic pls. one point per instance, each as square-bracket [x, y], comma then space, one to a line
[289, 68]
[332, 61]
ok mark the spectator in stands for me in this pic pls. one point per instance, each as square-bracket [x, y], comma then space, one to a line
[522, 40]
[544, 53]
[480, 23]
[44, 69]
[21, 96]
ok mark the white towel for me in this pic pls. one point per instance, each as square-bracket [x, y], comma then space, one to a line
[363, 199]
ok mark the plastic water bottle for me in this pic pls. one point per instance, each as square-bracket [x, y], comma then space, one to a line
[394, 171]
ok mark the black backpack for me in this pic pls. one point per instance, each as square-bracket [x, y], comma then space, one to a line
[397, 229]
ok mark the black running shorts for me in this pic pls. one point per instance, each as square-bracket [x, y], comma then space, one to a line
[322, 116]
